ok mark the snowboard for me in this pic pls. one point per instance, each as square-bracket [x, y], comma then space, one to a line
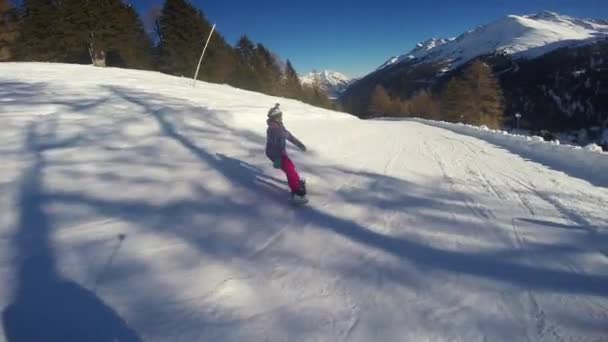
[298, 201]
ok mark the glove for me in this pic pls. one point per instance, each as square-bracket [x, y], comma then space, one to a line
[277, 163]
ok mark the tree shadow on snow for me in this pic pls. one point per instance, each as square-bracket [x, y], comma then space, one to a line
[235, 170]
[46, 306]
[60, 309]
[472, 264]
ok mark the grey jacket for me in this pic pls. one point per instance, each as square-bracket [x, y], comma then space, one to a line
[276, 136]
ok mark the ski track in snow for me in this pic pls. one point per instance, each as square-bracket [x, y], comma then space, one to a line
[140, 208]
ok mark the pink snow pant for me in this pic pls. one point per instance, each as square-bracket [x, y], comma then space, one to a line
[290, 171]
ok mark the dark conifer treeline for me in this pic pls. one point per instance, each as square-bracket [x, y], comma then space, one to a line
[101, 32]
[111, 33]
[9, 28]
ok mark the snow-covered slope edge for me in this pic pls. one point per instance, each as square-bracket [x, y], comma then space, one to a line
[574, 160]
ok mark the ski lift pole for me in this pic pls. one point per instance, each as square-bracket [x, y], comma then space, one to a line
[201, 59]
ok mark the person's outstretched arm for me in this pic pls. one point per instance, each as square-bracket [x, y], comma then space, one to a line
[295, 141]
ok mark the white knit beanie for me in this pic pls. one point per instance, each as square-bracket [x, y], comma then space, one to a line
[274, 111]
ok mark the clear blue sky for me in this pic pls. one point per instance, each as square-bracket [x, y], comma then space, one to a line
[354, 37]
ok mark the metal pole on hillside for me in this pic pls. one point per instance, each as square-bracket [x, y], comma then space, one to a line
[202, 54]
[518, 116]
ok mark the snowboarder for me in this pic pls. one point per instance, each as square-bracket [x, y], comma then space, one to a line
[276, 136]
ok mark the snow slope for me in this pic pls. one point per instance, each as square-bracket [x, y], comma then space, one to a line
[525, 36]
[136, 207]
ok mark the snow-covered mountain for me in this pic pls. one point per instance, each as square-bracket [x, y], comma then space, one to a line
[334, 83]
[526, 36]
[419, 51]
[527, 52]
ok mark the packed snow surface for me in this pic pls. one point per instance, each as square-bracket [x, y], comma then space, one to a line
[138, 208]
[525, 36]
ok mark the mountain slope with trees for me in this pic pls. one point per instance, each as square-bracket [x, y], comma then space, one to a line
[557, 86]
[111, 33]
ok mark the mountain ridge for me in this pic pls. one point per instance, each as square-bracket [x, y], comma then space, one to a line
[551, 67]
[332, 82]
[526, 36]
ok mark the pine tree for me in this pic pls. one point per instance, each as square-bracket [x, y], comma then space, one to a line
[488, 96]
[97, 27]
[423, 105]
[182, 35]
[8, 29]
[321, 98]
[5, 6]
[476, 98]
[245, 75]
[268, 70]
[102, 30]
[380, 102]
[83, 31]
[75, 24]
[39, 38]
[220, 60]
[132, 45]
[314, 94]
[398, 107]
[245, 49]
[183, 31]
[457, 101]
[291, 82]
